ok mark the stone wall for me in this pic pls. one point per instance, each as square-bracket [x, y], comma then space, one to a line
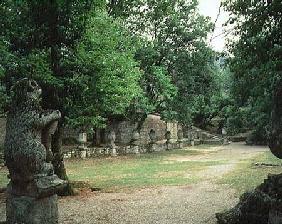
[124, 130]
[2, 131]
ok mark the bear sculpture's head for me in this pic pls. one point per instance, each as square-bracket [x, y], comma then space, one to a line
[26, 92]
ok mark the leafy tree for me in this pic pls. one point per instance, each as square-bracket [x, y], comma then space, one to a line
[256, 60]
[175, 46]
[105, 66]
[82, 59]
[177, 35]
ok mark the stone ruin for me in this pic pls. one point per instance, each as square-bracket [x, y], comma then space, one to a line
[122, 137]
[264, 204]
[31, 192]
[159, 136]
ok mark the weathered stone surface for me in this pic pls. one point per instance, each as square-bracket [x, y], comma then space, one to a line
[25, 155]
[30, 210]
[39, 187]
[263, 205]
[32, 189]
[124, 130]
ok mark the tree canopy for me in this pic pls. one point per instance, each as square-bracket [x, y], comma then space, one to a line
[256, 60]
[100, 60]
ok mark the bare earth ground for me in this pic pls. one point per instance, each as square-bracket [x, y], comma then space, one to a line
[193, 204]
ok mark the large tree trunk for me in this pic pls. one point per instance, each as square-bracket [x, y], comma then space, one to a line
[275, 141]
[58, 160]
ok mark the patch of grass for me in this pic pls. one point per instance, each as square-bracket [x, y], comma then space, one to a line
[247, 176]
[145, 170]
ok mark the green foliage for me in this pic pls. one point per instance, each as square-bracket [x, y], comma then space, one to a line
[81, 57]
[106, 68]
[97, 60]
[177, 63]
[156, 83]
[256, 61]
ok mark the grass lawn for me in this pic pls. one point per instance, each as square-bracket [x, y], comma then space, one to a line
[133, 171]
[138, 171]
[163, 169]
[247, 175]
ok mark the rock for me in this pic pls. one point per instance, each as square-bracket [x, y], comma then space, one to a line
[263, 205]
[30, 210]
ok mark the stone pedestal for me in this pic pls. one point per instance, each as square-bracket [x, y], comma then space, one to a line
[168, 140]
[152, 147]
[114, 152]
[82, 139]
[135, 142]
[111, 146]
[180, 144]
[135, 149]
[180, 138]
[34, 202]
[30, 210]
[83, 153]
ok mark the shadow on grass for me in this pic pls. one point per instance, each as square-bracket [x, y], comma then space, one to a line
[248, 176]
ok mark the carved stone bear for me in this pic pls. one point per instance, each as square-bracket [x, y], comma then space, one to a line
[25, 155]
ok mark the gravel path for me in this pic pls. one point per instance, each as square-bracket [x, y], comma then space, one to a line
[193, 204]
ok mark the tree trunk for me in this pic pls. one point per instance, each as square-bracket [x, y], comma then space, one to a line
[98, 137]
[58, 160]
[275, 141]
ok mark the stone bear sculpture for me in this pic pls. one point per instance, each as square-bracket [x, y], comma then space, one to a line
[25, 155]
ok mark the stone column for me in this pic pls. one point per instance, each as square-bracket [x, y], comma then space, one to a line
[180, 138]
[192, 137]
[224, 136]
[82, 139]
[111, 142]
[152, 143]
[168, 140]
[135, 142]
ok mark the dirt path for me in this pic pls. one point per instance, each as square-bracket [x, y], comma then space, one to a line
[193, 204]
